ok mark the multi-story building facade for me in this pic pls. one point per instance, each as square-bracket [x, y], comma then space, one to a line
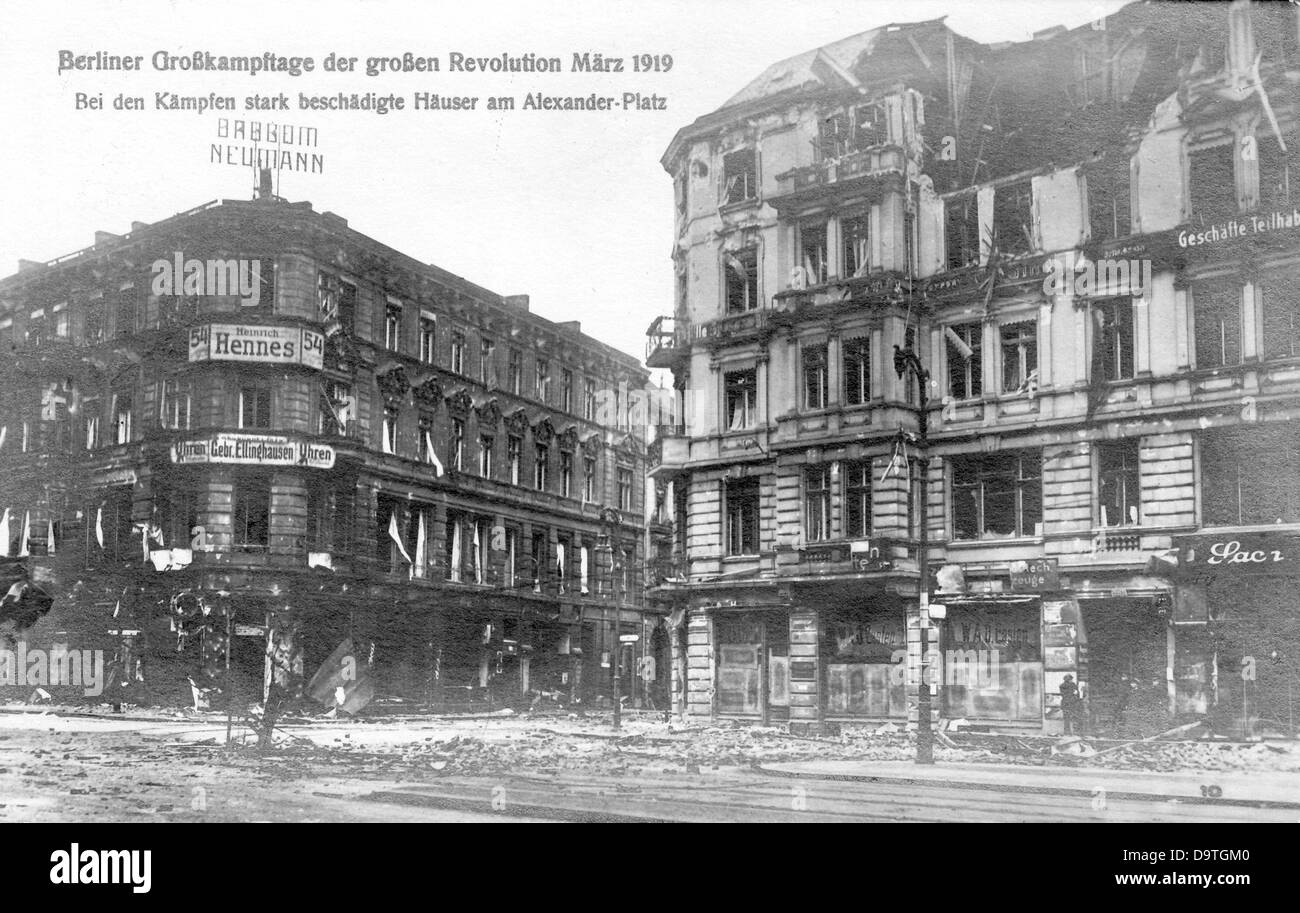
[250, 426]
[1089, 242]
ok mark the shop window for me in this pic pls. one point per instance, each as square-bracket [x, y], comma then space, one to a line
[741, 499]
[428, 337]
[1212, 183]
[962, 232]
[1013, 218]
[857, 494]
[626, 495]
[997, 496]
[857, 370]
[252, 515]
[1114, 337]
[742, 280]
[541, 466]
[814, 376]
[817, 502]
[1118, 483]
[855, 240]
[255, 407]
[1281, 296]
[965, 344]
[486, 443]
[740, 176]
[740, 388]
[1019, 342]
[812, 252]
[1108, 200]
[1216, 312]
[458, 351]
[1251, 476]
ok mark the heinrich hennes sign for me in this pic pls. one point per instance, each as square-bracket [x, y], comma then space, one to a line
[259, 344]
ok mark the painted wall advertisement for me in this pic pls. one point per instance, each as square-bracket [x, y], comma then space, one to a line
[278, 345]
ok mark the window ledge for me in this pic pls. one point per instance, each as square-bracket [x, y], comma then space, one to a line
[985, 543]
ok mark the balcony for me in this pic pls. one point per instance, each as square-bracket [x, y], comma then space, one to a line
[733, 327]
[872, 170]
[666, 343]
[667, 454]
[888, 284]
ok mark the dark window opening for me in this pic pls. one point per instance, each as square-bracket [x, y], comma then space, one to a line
[1108, 201]
[965, 345]
[252, 515]
[1216, 309]
[998, 496]
[1212, 185]
[741, 388]
[1281, 296]
[1019, 355]
[817, 502]
[740, 176]
[742, 281]
[742, 500]
[1251, 476]
[1013, 218]
[857, 370]
[962, 232]
[857, 491]
[814, 376]
[1114, 322]
[812, 252]
[855, 236]
[1118, 483]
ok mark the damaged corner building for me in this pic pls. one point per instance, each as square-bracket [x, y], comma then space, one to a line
[249, 447]
[1076, 258]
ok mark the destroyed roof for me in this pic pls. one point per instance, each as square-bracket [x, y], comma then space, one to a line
[801, 70]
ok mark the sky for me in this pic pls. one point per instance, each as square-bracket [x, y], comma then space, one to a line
[571, 208]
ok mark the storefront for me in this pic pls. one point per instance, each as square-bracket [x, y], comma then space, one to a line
[992, 662]
[863, 653]
[1237, 647]
[753, 664]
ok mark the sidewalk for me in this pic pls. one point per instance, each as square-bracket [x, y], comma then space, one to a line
[1274, 789]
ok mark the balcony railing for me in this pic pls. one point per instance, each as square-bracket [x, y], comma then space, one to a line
[877, 162]
[666, 340]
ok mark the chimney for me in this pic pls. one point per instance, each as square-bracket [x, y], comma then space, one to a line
[571, 326]
[104, 237]
[136, 226]
[25, 265]
[516, 301]
[264, 185]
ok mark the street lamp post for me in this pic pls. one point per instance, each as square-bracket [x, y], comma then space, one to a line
[613, 522]
[906, 360]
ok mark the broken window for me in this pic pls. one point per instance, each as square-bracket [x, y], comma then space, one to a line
[741, 497]
[252, 514]
[962, 235]
[965, 344]
[255, 407]
[833, 136]
[817, 502]
[1216, 312]
[814, 376]
[855, 236]
[741, 387]
[428, 337]
[336, 300]
[742, 280]
[1118, 490]
[1108, 200]
[1281, 296]
[336, 408]
[740, 176]
[1019, 355]
[1013, 218]
[870, 126]
[996, 496]
[857, 370]
[857, 490]
[1250, 476]
[812, 252]
[1212, 185]
[1114, 318]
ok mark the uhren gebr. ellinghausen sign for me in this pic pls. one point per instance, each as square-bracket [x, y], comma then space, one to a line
[254, 449]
